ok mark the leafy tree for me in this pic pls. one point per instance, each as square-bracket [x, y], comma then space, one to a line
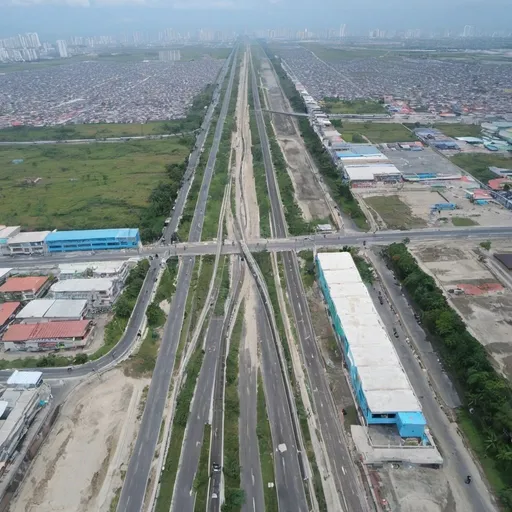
[81, 358]
[486, 245]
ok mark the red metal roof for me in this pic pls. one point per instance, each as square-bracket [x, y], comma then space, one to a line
[23, 284]
[6, 310]
[46, 331]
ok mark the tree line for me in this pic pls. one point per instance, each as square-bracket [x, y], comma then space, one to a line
[486, 394]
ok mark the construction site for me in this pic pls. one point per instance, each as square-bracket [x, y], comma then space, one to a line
[479, 287]
[92, 437]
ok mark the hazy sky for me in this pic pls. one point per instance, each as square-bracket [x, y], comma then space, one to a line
[82, 17]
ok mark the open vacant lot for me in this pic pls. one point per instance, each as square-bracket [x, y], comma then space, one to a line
[410, 206]
[82, 186]
[80, 465]
[473, 287]
[375, 132]
[394, 212]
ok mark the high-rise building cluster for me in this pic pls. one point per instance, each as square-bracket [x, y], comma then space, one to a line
[169, 55]
[20, 48]
[62, 48]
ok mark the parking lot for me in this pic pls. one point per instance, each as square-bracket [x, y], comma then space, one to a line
[471, 279]
[408, 205]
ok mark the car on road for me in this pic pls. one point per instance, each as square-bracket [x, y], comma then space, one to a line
[395, 332]
[215, 467]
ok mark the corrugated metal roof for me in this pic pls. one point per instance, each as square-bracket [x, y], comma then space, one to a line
[24, 378]
[62, 308]
[23, 284]
[91, 234]
[48, 330]
[29, 237]
[83, 285]
[35, 309]
[6, 310]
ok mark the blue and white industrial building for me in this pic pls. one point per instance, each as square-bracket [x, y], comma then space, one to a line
[383, 392]
[93, 240]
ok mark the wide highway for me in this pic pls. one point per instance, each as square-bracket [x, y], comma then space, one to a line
[343, 468]
[137, 475]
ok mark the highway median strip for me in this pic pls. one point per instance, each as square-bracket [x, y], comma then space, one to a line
[181, 414]
[203, 472]
[266, 451]
[260, 180]
[234, 495]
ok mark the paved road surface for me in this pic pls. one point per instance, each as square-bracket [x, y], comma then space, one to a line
[250, 475]
[184, 495]
[343, 469]
[288, 479]
[441, 381]
[217, 441]
[277, 244]
[457, 460]
[134, 487]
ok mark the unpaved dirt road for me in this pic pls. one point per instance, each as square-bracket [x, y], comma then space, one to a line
[308, 192]
[78, 468]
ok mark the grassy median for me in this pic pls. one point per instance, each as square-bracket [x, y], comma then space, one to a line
[181, 414]
[235, 496]
[266, 451]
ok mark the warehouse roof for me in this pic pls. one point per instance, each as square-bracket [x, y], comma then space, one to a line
[386, 402]
[24, 378]
[385, 385]
[335, 260]
[356, 289]
[6, 310]
[89, 234]
[62, 308]
[47, 330]
[29, 237]
[83, 285]
[6, 232]
[52, 308]
[99, 267]
[385, 377]
[23, 284]
[369, 172]
[35, 308]
[350, 306]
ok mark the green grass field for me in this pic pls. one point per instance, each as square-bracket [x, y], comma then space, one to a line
[83, 186]
[394, 212]
[459, 129]
[335, 106]
[463, 221]
[477, 164]
[85, 131]
[376, 132]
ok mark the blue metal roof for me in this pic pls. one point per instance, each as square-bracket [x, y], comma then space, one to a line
[84, 234]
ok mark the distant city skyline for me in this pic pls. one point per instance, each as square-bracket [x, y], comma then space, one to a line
[100, 17]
